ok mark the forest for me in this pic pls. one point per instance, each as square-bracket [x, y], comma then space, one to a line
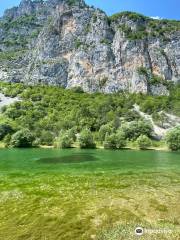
[53, 116]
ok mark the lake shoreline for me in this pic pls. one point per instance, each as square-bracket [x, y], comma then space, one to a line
[163, 148]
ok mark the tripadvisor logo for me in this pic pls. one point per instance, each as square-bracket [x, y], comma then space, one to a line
[139, 231]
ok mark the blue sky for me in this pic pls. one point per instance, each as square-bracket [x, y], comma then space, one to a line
[162, 8]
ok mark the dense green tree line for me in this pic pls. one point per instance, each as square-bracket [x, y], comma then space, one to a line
[54, 116]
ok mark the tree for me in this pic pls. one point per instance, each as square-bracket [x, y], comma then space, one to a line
[64, 141]
[5, 129]
[72, 133]
[7, 140]
[120, 139]
[22, 138]
[46, 138]
[110, 141]
[173, 139]
[143, 142]
[136, 128]
[115, 140]
[104, 129]
[131, 115]
[86, 139]
[13, 112]
[160, 118]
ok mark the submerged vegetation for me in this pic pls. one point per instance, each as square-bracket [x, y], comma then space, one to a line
[88, 194]
[47, 115]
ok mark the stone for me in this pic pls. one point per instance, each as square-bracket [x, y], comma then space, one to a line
[67, 43]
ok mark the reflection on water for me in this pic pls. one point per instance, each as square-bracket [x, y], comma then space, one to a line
[73, 158]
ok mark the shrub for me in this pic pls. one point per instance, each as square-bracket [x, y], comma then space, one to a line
[155, 80]
[22, 138]
[105, 41]
[173, 139]
[5, 129]
[64, 141]
[110, 141]
[11, 55]
[131, 115]
[78, 43]
[86, 139]
[7, 140]
[142, 71]
[115, 140]
[136, 128]
[77, 89]
[160, 118]
[72, 133]
[94, 18]
[143, 142]
[46, 138]
[102, 82]
[120, 139]
[71, 2]
[104, 129]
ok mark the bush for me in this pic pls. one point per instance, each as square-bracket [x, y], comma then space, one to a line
[86, 139]
[136, 128]
[104, 129]
[64, 141]
[120, 139]
[5, 129]
[77, 89]
[143, 142]
[160, 118]
[46, 138]
[131, 115]
[115, 140]
[110, 141]
[72, 133]
[7, 140]
[71, 2]
[173, 139]
[22, 138]
[78, 44]
[143, 71]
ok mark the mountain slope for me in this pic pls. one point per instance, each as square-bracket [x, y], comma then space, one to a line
[67, 43]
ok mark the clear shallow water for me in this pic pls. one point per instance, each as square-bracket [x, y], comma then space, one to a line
[90, 161]
[76, 194]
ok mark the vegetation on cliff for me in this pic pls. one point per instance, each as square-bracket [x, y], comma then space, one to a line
[33, 41]
[146, 27]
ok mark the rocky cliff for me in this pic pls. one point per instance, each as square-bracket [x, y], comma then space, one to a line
[67, 43]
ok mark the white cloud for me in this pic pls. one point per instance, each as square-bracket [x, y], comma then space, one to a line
[157, 18]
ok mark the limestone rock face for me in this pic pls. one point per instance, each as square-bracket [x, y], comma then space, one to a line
[67, 43]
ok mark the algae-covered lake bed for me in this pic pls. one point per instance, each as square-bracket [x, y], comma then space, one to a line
[73, 194]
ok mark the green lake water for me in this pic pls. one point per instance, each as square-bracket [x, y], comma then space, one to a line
[87, 161]
[49, 194]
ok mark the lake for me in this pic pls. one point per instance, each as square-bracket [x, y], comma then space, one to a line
[69, 194]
